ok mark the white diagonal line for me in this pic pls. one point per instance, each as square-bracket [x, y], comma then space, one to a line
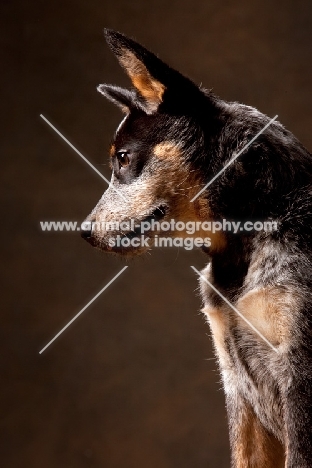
[82, 156]
[236, 310]
[84, 308]
[234, 158]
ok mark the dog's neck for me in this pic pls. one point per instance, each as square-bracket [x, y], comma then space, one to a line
[229, 266]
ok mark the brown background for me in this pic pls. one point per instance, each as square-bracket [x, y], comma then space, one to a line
[132, 382]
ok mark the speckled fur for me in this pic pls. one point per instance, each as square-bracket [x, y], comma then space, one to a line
[178, 136]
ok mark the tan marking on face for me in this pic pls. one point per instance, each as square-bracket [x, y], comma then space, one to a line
[179, 185]
[151, 89]
[202, 208]
[270, 311]
[167, 151]
[253, 446]
[112, 150]
[167, 181]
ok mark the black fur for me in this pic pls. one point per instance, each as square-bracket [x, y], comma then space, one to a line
[270, 180]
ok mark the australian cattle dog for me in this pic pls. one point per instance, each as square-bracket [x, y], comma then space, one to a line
[174, 138]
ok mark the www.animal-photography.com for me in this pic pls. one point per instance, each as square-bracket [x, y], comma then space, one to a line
[157, 169]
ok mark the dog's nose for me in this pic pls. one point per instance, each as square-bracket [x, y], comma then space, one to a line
[86, 230]
[86, 234]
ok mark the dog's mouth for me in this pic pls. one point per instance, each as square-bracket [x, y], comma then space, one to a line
[132, 242]
[140, 238]
[156, 215]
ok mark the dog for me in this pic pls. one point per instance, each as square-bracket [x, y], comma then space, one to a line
[174, 138]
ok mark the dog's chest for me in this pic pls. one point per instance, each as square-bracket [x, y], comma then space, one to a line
[247, 373]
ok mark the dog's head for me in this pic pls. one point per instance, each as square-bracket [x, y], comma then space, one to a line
[154, 152]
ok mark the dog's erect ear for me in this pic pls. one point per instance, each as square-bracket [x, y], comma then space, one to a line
[150, 76]
[143, 68]
[154, 81]
[122, 97]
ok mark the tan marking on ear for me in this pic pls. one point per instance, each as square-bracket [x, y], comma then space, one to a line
[124, 109]
[270, 311]
[150, 88]
[253, 446]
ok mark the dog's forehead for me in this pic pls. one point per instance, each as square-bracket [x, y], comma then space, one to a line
[151, 129]
[140, 127]
[149, 136]
[120, 125]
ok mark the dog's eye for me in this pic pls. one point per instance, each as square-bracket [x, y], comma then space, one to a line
[123, 158]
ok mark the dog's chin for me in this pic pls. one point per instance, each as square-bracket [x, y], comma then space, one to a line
[128, 244]
[105, 246]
